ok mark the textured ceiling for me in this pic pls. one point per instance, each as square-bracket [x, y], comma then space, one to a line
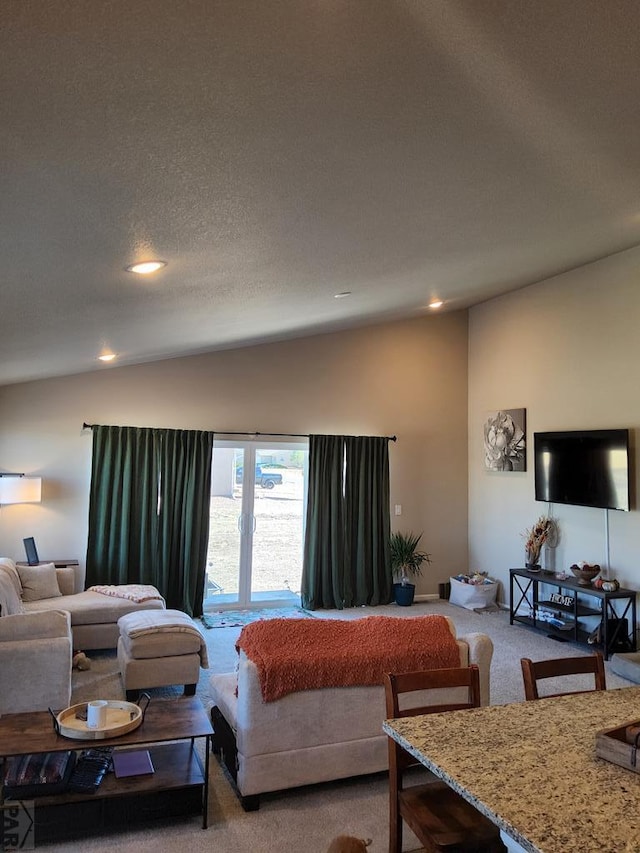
[278, 152]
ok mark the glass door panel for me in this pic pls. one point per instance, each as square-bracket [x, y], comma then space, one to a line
[222, 580]
[279, 513]
[256, 532]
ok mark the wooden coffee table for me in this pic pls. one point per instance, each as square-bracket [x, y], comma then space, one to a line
[178, 787]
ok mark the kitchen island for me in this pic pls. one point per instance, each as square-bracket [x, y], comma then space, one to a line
[531, 768]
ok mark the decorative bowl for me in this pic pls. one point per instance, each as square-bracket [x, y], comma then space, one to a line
[585, 573]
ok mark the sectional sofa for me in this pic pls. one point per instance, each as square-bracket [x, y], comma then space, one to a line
[42, 621]
[94, 616]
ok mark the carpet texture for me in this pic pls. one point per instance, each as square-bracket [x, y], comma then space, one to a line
[306, 818]
[240, 618]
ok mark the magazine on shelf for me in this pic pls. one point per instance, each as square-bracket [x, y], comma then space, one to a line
[134, 762]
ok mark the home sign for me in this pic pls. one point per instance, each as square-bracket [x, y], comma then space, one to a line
[559, 598]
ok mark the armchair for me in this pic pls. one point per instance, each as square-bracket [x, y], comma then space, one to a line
[35, 661]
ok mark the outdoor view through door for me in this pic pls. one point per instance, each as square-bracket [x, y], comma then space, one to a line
[256, 530]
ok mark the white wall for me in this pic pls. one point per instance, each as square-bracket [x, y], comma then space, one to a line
[407, 378]
[567, 350]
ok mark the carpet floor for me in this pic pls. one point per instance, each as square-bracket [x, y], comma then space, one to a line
[306, 818]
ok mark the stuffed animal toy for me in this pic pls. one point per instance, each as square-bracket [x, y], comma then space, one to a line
[80, 661]
[349, 844]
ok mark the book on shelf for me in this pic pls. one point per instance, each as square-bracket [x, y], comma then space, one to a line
[135, 762]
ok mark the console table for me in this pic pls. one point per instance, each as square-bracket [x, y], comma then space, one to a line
[565, 609]
[178, 787]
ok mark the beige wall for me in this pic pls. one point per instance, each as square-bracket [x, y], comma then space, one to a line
[568, 350]
[407, 378]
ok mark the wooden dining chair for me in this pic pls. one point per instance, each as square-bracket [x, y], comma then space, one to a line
[559, 667]
[440, 818]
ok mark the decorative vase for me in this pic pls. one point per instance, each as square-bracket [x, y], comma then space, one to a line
[531, 557]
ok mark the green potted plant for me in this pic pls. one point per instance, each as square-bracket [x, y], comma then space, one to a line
[406, 562]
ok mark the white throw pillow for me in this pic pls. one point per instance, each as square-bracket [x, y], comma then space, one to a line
[39, 582]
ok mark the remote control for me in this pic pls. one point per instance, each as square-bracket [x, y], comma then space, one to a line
[89, 770]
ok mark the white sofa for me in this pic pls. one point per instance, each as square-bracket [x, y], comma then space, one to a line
[94, 616]
[310, 736]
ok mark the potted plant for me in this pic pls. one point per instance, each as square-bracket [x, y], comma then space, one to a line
[406, 562]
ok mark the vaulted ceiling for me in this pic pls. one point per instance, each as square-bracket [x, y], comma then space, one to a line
[279, 152]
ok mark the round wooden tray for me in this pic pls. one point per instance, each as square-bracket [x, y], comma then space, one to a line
[122, 717]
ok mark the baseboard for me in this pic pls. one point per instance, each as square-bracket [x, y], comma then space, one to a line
[433, 596]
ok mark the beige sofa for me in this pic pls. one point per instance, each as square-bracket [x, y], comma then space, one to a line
[94, 616]
[35, 661]
[310, 736]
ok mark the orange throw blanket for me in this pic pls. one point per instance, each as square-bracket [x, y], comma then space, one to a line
[304, 654]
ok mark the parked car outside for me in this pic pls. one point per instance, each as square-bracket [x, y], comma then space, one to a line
[265, 479]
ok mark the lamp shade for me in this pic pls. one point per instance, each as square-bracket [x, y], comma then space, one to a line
[20, 490]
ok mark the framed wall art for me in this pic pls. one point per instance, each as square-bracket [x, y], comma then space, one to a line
[505, 440]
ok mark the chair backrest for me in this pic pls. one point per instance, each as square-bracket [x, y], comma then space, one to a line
[397, 685]
[538, 671]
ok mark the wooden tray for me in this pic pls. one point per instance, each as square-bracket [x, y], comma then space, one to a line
[612, 745]
[122, 717]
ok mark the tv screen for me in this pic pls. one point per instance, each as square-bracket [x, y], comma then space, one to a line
[584, 468]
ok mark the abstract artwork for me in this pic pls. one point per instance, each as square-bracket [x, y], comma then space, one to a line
[505, 438]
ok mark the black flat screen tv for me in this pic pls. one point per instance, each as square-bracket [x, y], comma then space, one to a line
[583, 467]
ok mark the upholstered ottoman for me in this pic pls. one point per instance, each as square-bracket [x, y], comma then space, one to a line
[159, 648]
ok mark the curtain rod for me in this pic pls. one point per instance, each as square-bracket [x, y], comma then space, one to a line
[274, 434]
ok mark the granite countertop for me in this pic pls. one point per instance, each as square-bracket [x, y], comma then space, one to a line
[531, 767]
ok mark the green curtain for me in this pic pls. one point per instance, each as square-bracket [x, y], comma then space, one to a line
[149, 511]
[183, 538]
[123, 501]
[346, 553]
[368, 568]
[323, 559]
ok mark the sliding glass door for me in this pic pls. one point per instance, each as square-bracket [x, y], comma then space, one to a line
[256, 533]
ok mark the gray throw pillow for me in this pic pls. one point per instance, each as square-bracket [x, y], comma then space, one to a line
[39, 582]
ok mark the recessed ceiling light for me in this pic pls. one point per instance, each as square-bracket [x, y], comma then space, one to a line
[435, 303]
[146, 267]
[107, 356]
[342, 295]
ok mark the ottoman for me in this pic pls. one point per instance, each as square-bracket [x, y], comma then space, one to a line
[159, 648]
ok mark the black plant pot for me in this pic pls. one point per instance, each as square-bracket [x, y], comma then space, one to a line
[404, 593]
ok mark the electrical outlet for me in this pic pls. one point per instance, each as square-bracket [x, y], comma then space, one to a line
[398, 509]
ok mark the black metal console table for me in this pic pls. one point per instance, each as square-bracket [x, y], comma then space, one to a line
[567, 610]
